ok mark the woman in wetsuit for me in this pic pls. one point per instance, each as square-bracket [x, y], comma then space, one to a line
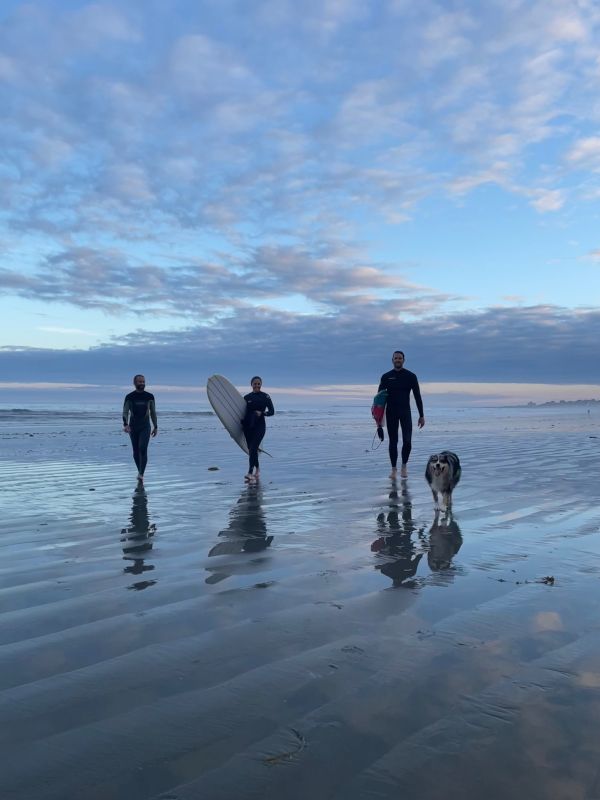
[258, 406]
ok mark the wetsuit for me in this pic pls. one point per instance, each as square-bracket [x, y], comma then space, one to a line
[254, 426]
[399, 384]
[138, 409]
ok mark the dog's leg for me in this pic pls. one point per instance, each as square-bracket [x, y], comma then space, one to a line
[435, 497]
[447, 499]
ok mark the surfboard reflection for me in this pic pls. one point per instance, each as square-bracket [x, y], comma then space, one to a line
[397, 553]
[245, 533]
[137, 539]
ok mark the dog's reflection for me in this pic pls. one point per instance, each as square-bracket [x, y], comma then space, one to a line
[245, 533]
[395, 546]
[137, 538]
[445, 540]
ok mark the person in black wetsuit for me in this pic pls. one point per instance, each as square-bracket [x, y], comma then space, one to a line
[399, 383]
[258, 406]
[138, 409]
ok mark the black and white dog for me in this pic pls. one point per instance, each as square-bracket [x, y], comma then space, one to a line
[442, 474]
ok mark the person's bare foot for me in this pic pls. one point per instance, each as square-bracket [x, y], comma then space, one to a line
[393, 473]
[404, 471]
[248, 477]
[256, 475]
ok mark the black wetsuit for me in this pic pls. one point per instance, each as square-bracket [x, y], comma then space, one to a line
[399, 384]
[138, 409]
[254, 425]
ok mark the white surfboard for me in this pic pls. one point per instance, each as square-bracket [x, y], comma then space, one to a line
[230, 407]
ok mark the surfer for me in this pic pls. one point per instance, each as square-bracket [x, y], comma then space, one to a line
[399, 383]
[258, 406]
[138, 409]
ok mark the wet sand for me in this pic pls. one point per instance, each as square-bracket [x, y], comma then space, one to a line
[324, 634]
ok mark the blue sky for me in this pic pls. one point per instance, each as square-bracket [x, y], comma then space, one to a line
[299, 189]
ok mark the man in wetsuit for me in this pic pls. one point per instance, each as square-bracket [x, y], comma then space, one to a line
[138, 409]
[399, 383]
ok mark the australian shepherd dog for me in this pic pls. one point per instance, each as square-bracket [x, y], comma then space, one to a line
[442, 474]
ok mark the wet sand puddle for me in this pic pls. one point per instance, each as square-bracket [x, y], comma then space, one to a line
[325, 634]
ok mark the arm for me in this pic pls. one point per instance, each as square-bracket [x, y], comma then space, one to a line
[419, 402]
[270, 410]
[152, 411]
[126, 412]
[382, 383]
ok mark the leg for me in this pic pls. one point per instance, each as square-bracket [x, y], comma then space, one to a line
[253, 458]
[248, 432]
[134, 436]
[254, 437]
[143, 442]
[392, 420]
[406, 425]
[259, 432]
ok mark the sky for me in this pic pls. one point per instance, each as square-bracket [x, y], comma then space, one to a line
[298, 189]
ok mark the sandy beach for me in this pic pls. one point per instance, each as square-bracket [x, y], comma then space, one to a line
[324, 634]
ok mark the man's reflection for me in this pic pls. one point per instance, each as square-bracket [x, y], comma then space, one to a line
[245, 533]
[137, 538]
[395, 546]
[445, 540]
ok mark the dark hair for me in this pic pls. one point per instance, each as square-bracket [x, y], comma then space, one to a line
[139, 375]
[398, 351]
[255, 378]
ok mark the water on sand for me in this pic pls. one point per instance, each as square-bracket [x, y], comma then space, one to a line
[324, 634]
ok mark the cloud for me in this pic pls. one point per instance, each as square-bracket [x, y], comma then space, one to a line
[216, 128]
[542, 344]
[547, 199]
[585, 153]
[335, 277]
[66, 331]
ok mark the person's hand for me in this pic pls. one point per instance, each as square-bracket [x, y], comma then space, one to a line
[421, 422]
[258, 413]
[127, 428]
[154, 432]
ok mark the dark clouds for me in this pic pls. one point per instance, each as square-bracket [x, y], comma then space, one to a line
[540, 344]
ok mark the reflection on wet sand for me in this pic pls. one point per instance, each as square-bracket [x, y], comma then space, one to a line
[399, 553]
[394, 545]
[445, 540]
[246, 533]
[137, 538]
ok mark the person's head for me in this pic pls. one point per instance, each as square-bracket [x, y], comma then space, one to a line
[398, 359]
[256, 383]
[139, 382]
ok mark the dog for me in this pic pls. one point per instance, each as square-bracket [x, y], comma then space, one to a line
[442, 473]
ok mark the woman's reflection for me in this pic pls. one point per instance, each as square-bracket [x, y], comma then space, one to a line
[395, 546]
[245, 533]
[445, 540]
[137, 538]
